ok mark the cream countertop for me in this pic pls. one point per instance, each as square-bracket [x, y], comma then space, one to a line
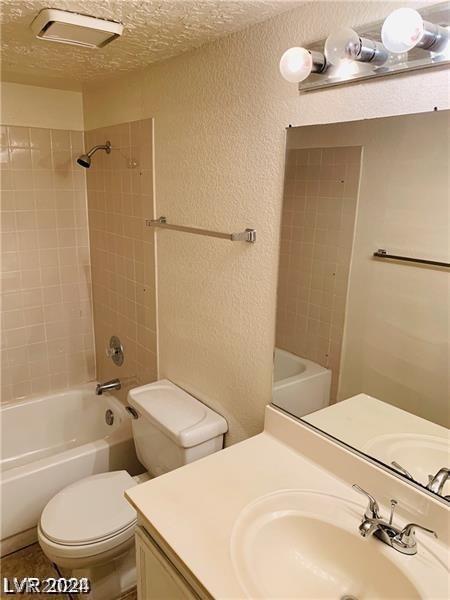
[213, 492]
[361, 419]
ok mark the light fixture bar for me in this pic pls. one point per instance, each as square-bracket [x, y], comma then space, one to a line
[319, 62]
[369, 59]
[433, 38]
[372, 52]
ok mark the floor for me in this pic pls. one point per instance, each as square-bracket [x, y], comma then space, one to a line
[31, 562]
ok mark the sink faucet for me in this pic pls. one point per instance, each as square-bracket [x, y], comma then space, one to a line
[114, 384]
[436, 483]
[402, 540]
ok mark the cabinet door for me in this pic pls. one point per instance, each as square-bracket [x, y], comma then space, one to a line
[157, 578]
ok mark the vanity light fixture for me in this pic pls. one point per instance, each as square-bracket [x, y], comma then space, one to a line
[346, 44]
[405, 29]
[298, 63]
[406, 41]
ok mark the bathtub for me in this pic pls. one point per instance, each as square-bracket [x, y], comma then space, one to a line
[300, 386]
[50, 441]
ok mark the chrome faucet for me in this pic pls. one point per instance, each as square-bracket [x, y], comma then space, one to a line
[436, 483]
[114, 384]
[402, 540]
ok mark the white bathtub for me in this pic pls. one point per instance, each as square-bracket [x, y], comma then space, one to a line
[300, 386]
[50, 441]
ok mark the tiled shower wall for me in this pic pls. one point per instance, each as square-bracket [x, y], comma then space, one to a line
[120, 198]
[47, 334]
[318, 220]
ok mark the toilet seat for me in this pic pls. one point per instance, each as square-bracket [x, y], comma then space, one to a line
[89, 517]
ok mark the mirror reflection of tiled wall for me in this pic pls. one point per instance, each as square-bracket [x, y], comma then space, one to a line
[318, 221]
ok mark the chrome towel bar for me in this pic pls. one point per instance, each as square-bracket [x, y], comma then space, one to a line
[249, 235]
[381, 253]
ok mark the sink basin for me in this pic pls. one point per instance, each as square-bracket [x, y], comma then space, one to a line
[421, 455]
[295, 544]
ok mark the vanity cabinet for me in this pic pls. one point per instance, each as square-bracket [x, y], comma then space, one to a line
[157, 577]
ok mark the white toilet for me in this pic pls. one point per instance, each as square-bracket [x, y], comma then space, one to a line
[87, 529]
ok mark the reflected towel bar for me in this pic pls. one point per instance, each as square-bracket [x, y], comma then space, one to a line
[381, 253]
[249, 235]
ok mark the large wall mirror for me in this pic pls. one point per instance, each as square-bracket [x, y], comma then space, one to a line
[362, 341]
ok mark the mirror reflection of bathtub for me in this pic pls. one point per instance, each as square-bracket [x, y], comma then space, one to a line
[300, 386]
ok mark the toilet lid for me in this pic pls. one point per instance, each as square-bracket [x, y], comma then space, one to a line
[89, 510]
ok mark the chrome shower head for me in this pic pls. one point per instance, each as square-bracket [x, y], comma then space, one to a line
[84, 160]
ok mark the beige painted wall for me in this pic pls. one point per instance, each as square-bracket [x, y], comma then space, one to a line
[396, 341]
[33, 106]
[220, 117]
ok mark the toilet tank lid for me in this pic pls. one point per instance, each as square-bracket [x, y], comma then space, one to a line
[183, 418]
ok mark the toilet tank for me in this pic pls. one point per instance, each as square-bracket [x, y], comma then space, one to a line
[173, 428]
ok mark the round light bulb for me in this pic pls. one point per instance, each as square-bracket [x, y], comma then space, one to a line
[402, 30]
[343, 44]
[296, 64]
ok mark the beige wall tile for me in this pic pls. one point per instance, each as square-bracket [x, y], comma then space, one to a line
[122, 251]
[45, 262]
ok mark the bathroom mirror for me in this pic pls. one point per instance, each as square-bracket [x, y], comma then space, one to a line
[362, 341]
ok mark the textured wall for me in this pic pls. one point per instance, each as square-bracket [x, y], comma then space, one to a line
[32, 106]
[317, 230]
[47, 340]
[220, 117]
[120, 196]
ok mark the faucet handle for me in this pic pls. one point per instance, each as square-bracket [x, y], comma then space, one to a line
[402, 470]
[373, 510]
[407, 536]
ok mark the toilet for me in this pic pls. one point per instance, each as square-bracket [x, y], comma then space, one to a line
[87, 529]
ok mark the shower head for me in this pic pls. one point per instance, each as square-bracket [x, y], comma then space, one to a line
[84, 160]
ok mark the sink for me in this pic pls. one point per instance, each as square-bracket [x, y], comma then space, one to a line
[421, 455]
[301, 544]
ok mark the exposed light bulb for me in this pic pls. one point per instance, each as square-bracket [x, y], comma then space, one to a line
[296, 64]
[346, 44]
[342, 44]
[405, 29]
[346, 68]
[402, 30]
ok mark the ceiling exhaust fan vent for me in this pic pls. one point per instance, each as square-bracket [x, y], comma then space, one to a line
[72, 28]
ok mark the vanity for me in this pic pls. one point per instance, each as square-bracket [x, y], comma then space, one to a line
[276, 516]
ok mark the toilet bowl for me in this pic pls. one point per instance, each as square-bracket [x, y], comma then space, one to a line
[87, 529]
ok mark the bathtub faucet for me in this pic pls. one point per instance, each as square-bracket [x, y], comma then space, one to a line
[114, 384]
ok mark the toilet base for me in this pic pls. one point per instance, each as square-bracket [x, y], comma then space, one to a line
[109, 580]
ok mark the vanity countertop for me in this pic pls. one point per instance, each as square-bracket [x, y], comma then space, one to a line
[362, 419]
[194, 509]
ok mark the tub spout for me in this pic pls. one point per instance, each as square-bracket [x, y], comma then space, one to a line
[114, 384]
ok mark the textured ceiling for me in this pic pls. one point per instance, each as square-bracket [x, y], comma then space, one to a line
[153, 30]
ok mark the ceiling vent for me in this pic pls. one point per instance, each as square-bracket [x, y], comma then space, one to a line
[72, 28]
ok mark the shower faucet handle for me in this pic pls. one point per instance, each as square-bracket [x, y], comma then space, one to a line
[115, 351]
